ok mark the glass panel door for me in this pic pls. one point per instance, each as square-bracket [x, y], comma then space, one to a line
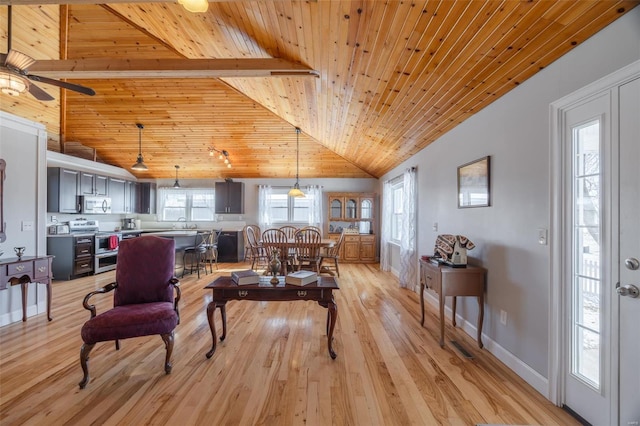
[587, 285]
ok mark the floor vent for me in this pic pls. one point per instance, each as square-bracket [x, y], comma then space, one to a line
[461, 349]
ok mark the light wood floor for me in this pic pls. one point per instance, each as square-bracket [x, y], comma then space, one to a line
[272, 369]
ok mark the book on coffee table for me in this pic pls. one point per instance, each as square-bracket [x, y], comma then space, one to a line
[301, 278]
[245, 277]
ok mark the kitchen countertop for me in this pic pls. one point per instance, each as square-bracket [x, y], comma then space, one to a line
[174, 233]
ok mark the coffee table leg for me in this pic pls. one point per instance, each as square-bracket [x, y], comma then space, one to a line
[223, 313]
[211, 308]
[333, 315]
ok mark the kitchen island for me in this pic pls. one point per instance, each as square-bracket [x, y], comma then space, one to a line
[183, 239]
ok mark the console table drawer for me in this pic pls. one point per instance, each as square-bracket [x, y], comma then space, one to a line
[20, 268]
[41, 268]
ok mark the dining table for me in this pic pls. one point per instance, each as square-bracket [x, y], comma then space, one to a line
[291, 246]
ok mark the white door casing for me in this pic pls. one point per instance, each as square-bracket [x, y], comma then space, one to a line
[616, 399]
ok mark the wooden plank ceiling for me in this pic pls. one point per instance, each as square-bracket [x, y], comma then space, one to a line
[393, 76]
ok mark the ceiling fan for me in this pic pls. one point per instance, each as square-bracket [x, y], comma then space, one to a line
[14, 77]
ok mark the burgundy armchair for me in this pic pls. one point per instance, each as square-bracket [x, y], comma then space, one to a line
[144, 302]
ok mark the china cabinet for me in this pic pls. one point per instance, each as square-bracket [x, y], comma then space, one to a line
[355, 214]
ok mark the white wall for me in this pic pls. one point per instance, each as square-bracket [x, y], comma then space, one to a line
[23, 147]
[514, 131]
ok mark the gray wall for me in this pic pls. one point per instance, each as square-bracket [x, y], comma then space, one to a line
[514, 131]
[23, 146]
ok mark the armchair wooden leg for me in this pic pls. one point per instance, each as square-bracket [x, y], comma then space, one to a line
[168, 343]
[84, 358]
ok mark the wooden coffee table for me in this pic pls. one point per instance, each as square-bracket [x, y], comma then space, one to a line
[225, 289]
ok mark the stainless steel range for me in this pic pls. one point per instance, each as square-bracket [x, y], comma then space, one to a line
[106, 246]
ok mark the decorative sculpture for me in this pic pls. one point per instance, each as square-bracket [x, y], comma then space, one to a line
[274, 266]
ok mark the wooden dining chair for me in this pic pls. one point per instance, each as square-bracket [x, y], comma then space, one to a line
[331, 254]
[315, 228]
[289, 230]
[276, 239]
[258, 253]
[211, 249]
[307, 249]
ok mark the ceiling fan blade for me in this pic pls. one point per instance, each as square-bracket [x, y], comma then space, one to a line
[70, 86]
[19, 60]
[39, 94]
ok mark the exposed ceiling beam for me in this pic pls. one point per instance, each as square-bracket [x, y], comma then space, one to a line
[168, 68]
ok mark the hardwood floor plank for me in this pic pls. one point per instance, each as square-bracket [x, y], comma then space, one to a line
[273, 367]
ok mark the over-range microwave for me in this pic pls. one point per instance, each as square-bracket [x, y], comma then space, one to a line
[95, 205]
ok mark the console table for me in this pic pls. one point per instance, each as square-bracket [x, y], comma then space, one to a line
[449, 281]
[25, 270]
[225, 289]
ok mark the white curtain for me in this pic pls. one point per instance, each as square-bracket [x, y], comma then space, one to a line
[408, 257]
[264, 206]
[385, 228]
[314, 193]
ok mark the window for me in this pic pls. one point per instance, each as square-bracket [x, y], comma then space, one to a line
[397, 192]
[285, 209]
[190, 205]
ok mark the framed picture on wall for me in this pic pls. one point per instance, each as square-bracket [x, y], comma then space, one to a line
[473, 184]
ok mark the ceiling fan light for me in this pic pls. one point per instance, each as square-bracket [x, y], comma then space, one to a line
[12, 84]
[195, 6]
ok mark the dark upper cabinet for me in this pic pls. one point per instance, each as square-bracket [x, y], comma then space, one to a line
[130, 197]
[93, 184]
[62, 190]
[117, 193]
[146, 198]
[230, 197]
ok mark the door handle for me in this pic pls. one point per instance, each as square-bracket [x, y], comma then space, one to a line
[628, 290]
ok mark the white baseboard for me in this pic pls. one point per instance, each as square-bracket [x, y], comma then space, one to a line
[528, 374]
[16, 315]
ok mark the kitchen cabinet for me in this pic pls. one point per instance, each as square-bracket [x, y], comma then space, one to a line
[355, 214]
[92, 184]
[229, 197]
[117, 193]
[73, 255]
[146, 198]
[130, 197]
[62, 190]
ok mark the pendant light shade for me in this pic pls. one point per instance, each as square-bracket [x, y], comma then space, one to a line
[139, 165]
[176, 184]
[295, 191]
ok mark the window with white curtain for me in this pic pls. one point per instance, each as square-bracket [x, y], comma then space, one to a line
[397, 190]
[285, 209]
[189, 204]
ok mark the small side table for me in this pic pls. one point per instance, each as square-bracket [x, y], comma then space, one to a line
[25, 270]
[448, 281]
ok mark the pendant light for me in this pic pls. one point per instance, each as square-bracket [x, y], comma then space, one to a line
[139, 165]
[295, 191]
[176, 184]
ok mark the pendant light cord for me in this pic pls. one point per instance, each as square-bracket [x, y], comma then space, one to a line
[297, 154]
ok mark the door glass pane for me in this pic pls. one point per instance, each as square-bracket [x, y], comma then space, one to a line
[586, 339]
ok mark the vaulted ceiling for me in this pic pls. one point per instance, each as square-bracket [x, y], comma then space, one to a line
[392, 77]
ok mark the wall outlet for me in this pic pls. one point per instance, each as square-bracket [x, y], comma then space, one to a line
[503, 317]
[435, 226]
[542, 236]
[27, 225]
[54, 218]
